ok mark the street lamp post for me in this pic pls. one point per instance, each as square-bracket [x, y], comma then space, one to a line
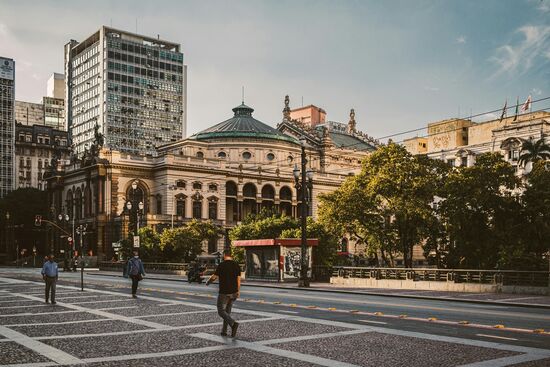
[304, 186]
[81, 231]
[64, 219]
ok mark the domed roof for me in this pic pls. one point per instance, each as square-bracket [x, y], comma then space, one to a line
[242, 125]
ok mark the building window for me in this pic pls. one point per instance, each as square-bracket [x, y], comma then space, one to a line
[180, 207]
[197, 209]
[289, 159]
[451, 162]
[222, 155]
[270, 156]
[514, 155]
[212, 245]
[213, 210]
[200, 155]
[197, 186]
[212, 187]
[180, 184]
[247, 155]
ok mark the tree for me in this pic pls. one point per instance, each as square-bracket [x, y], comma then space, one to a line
[149, 243]
[265, 224]
[480, 212]
[185, 243]
[533, 151]
[23, 205]
[388, 205]
[535, 222]
[323, 254]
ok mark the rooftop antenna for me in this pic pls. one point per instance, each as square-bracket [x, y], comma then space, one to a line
[302, 101]
[243, 93]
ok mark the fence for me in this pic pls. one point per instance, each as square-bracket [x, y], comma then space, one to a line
[160, 268]
[497, 277]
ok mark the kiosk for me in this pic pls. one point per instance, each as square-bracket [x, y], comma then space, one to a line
[276, 259]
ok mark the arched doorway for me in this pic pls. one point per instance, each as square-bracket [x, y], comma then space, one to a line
[268, 197]
[249, 199]
[285, 198]
[231, 205]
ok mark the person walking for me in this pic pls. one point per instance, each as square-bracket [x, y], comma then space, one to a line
[50, 274]
[229, 273]
[135, 271]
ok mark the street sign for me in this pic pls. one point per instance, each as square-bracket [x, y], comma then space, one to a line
[136, 241]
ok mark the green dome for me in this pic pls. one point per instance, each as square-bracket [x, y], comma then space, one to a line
[242, 125]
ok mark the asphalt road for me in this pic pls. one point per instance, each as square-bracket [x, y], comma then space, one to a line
[437, 317]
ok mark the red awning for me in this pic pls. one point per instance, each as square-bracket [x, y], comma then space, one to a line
[287, 242]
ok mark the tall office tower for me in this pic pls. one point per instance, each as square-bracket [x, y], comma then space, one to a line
[133, 87]
[7, 125]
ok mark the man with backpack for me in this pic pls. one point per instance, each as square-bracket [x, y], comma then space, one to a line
[135, 271]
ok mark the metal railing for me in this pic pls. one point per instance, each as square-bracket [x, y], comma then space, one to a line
[501, 277]
[166, 268]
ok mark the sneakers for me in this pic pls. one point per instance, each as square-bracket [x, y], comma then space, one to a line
[234, 329]
[134, 296]
[223, 333]
[54, 303]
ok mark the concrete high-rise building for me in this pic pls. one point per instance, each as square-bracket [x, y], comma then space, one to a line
[56, 86]
[7, 125]
[133, 87]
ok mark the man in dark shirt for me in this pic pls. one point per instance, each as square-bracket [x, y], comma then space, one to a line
[229, 273]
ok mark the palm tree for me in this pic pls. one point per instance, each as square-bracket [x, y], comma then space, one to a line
[534, 151]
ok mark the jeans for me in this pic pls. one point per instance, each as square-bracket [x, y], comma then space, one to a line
[50, 288]
[225, 301]
[135, 282]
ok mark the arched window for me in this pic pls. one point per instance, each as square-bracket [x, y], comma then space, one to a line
[200, 154]
[268, 192]
[270, 156]
[180, 184]
[285, 193]
[230, 188]
[197, 186]
[137, 196]
[212, 187]
[78, 204]
[247, 155]
[222, 155]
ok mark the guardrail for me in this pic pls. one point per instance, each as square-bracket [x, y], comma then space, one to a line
[501, 277]
[163, 268]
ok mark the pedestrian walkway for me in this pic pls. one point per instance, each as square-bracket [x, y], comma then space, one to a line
[496, 298]
[103, 328]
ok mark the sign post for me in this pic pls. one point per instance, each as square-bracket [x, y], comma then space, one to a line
[136, 241]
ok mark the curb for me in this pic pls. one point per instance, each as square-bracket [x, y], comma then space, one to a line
[366, 293]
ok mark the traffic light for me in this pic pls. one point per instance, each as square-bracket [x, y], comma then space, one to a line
[37, 220]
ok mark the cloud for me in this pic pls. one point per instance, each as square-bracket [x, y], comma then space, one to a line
[520, 57]
[461, 39]
[544, 7]
[536, 91]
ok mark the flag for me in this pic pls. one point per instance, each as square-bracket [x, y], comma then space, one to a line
[517, 108]
[504, 110]
[527, 105]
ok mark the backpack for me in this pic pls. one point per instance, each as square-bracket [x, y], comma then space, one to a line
[134, 266]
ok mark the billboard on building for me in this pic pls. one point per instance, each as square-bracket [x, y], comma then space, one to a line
[7, 69]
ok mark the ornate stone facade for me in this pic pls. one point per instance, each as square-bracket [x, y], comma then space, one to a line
[223, 173]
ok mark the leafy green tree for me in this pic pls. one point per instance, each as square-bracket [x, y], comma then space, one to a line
[533, 151]
[480, 212]
[534, 224]
[150, 245]
[185, 243]
[388, 206]
[325, 253]
[22, 205]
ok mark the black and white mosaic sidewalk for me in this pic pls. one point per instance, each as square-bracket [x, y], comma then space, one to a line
[104, 328]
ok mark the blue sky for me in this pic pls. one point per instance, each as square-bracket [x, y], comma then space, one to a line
[400, 64]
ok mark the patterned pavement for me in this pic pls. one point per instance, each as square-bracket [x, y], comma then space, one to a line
[104, 328]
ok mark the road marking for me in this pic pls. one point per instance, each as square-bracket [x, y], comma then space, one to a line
[174, 314]
[374, 322]
[310, 337]
[274, 351]
[58, 323]
[291, 312]
[47, 351]
[496, 337]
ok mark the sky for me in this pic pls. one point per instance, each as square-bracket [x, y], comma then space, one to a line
[399, 63]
